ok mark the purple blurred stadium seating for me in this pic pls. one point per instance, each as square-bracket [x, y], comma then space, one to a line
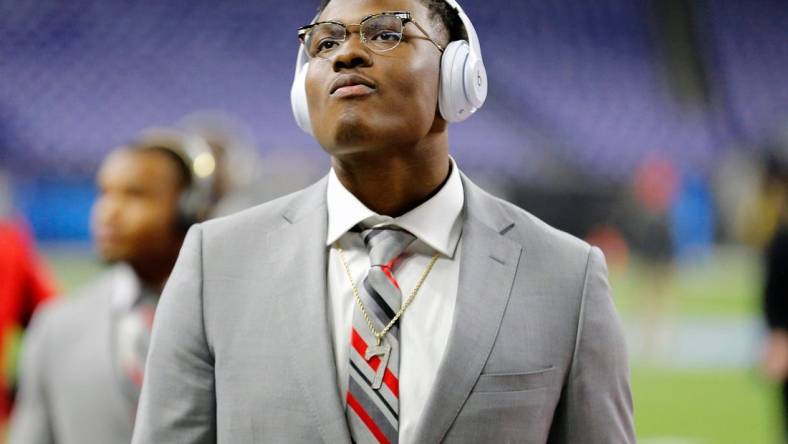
[573, 83]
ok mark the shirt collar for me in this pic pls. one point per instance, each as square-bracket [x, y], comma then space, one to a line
[127, 288]
[128, 291]
[435, 222]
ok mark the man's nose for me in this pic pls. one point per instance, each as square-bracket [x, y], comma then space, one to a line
[351, 54]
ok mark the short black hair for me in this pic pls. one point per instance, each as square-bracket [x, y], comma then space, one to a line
[170, 153]
[439, 9]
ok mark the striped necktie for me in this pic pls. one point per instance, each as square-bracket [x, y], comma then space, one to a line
[373, 386]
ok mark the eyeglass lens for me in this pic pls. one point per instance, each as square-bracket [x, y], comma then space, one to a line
[379, 33]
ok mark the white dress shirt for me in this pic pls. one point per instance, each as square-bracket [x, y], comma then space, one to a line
[425, 325]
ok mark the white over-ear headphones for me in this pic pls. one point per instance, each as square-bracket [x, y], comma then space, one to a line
[463, 79]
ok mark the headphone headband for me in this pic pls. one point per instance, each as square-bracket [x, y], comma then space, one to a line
[473, 38]
[198, 199]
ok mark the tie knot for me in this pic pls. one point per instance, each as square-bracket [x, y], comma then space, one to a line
[385, 244]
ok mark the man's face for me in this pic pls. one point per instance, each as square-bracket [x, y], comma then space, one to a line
[135, 213]
[400, 107]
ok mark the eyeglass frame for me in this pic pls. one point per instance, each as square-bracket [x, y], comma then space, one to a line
[404, 16]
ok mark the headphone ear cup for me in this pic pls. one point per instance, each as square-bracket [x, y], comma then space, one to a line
[185, 216]
[194, 205]
[475, 82]
[298, 99]
[453, 104]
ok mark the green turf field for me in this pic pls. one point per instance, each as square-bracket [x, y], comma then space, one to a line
[726, 284]
[714, 407]
[709, 405]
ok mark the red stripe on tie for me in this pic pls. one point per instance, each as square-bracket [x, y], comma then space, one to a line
[354, 404]
[391, 382]
[387, 271]
[358, 342]
[389, 379]
[147, 315]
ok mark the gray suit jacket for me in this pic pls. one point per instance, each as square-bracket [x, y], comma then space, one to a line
[241, 351]
[69, 390]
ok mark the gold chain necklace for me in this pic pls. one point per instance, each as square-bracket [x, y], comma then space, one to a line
[380, 334]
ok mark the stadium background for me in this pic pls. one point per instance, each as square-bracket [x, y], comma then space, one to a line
[598, 112]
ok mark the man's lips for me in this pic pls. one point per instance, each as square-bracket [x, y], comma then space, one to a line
[347, 85]
[353, 91]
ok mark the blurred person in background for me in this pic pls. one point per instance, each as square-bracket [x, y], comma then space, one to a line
[765, 211]
[263, 333]
[83, 360]
[775, 292]
[646, 220]
[25, 283]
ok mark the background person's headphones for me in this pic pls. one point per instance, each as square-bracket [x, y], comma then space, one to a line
[198, 199]
[463, 79]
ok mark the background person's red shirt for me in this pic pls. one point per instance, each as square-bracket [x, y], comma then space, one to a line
[24, 284]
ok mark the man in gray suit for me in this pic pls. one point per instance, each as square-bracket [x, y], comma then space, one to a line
[394, 300]
[84, 356]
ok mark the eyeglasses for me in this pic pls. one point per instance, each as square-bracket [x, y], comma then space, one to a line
[379, 32]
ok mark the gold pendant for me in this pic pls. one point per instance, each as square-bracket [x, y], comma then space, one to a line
[384, 351]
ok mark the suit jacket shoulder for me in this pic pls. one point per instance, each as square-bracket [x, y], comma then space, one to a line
[70, 313]
[537, 238]
[268, 216]
[234, 246]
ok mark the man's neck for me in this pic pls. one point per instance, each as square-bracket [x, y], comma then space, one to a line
[393, 185]
[154, 276]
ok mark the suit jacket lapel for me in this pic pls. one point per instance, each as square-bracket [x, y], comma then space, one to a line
[303, 307]
[487, 271]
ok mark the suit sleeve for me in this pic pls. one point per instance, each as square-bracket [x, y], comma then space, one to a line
[31, 421]
[596, 404]
[178, 402]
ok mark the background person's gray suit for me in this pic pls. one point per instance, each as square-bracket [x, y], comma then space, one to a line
[241, 349]
[69, 388]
